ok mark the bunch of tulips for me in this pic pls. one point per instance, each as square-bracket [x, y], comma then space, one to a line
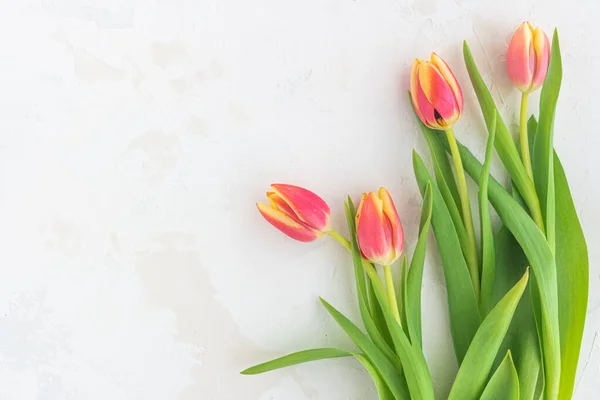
[517, 295]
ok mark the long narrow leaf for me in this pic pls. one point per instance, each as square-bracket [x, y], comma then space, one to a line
[488, 258]
[543, 150]
[415, 273]
[296, 358]
[322, 354]
[573, 279]
[386, 369]
[505, 146]
[402, 296]
[462, 305]
[473, 372]
[504, 384]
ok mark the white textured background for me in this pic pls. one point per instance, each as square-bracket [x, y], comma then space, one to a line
[136, 136]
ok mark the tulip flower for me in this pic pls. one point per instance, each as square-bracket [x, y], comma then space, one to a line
[435, 93]
[528, 57]
[380, 237]
[527, 64]
[378, 228]
[438, 101]
[297, 212]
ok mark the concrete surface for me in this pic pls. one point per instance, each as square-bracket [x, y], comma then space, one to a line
[136, 136]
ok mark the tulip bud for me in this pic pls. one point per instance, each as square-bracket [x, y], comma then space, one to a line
[528, 57]
[378, 228]
[297, 212]
[435, 92]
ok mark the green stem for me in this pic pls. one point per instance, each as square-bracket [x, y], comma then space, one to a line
[471, 252]
[341, 240]
[524, 138]
[389, 283]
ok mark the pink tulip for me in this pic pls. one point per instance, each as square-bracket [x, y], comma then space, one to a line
[378, 228]
[528, 57]
[297, 212]
[435, 92]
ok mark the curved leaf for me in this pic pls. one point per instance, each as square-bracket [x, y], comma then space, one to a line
[296, 358]
[402, 296]
[543, 150]
[322, 354]
[504, 384]
[572, 267]
[415, 273]
[473, 372]
[488, 261]
[462, 305]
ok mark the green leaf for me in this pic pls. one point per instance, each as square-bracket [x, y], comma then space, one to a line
[462, 305]
[296, 358]
[402, 298]
[383, 392]
[533, 242]
[417, 374]
[473, 372]
[504, 384]
[488, 258]
[505, 145]
[522, 336]
[374, 329]
[390, 375]
[543, 150]
[415, 273]
[322, 354]
[573, 279]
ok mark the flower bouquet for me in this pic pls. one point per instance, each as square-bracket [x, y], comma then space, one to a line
[517, 294]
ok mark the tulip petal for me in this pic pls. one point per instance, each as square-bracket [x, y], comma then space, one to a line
[541, 45]
[280, 204]
[414, 89]
[389, 209]
[427, 110]
[374, 231]
[294, 229]
[518, 57]
[450, 79]
[438, 92]
[307, 206]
